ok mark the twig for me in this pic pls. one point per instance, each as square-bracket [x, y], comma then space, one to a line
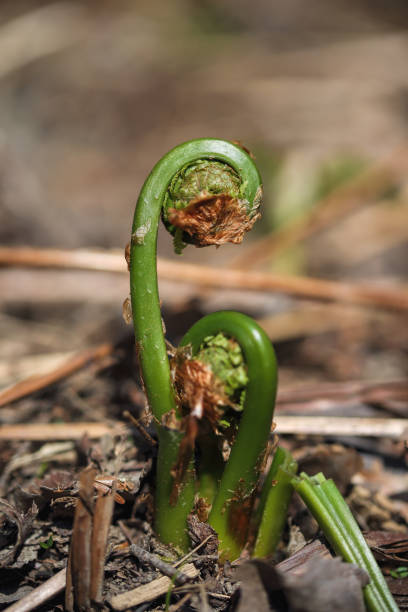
[193, 551]
[355, 193]
[394, 298]
[77, 259]
[308, 425]
[154, 560]
[343, 426]
[59, 431]
[149, 591]
[368, 392]
[139, 427]
[40, 594]
[218, 595]
[36, 383]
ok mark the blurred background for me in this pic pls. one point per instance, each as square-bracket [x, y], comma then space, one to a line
[94, 93]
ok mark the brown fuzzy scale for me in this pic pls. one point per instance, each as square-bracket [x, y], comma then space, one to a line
[240, 507]
[127, 255]
[198, 389]
[213, 220]
[202, 509]
[185, 453]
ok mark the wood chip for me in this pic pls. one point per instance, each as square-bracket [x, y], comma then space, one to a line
[148, 592]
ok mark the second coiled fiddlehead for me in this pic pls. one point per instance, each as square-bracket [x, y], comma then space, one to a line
[232, 503]
[208, 192]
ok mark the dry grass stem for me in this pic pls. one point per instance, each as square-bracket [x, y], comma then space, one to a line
[389, 297]
[296, 424]
[36, 383]
[60, 431]
[342, 426]
[356, 391]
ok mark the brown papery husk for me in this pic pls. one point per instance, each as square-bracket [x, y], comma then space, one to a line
[213, 220]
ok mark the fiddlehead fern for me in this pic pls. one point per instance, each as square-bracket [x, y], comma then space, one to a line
[208, 192]
[211, 191]
[232, 504]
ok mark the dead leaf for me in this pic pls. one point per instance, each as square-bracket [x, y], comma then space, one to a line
[319, 585]
[260, 582]
[326, 584]
[388, 545]
[295, 562]
[23, 522]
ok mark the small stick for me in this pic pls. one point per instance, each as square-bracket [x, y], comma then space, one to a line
[59, 431]
[343, 426]
[359, 390]
[391, 297]
[37, 383]
[139, 427]
[308, 425]
[154, 560]
[189, 554]
[40, 594]
[163, 567]
[148, 592]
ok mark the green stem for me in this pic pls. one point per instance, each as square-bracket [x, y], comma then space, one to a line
[340, 528]
[231, 508]
[146, 309]
[274, 502]
[343, 512]
[210, 468]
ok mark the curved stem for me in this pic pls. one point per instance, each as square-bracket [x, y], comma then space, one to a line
[146, 309]
[230, 511]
